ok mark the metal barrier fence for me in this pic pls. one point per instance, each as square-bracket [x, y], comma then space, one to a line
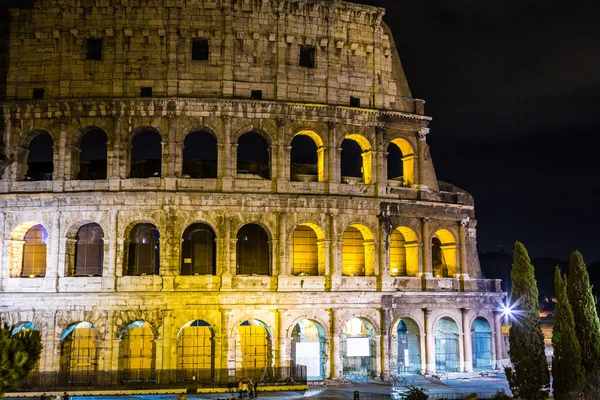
[147, 379]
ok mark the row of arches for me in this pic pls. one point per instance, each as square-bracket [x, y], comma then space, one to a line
[85, 248]
[254, 346]
[199, 157]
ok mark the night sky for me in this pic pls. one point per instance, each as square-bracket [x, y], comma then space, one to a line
[513, 87]
[514, 91]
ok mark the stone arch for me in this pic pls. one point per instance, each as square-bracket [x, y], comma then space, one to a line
[93, 248]
[199, 154]
[137, 351]
[443, 253]
[270, 137]
[142, 250]
[306, 172]
[482, 343]
[253, 346]
[37, 156]
[145, 163]
[447, 335]
[79, 352]
[404, 252]
[406, 344]
[253, 250]
[253, 155]
[198, 250]
[308, 251]
[28, 250]
[308, 341]
[406, 163]
[89, 163]
[359, 347]
[356, 260]
[366, 157]
[196, 351]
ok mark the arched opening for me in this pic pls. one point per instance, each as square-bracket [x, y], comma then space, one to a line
[358, 347]
[447, 350]
[308, 252]
[198, 250]
[252, 251]
[307, 158]
[34, 252]
[93, 156]
[443, 254]
[144, 250]
[308, 348]
[357, 251]
[40, 158]
[253, 348]
[26, 328]
[199, 155]
[481, 332]
[137, 353]
[146, 155]
[79, 354]
[196, 352]
[404, 252]
[406, 347]
[356, 164]
[253, 156]
[400, 163]
[89, 251]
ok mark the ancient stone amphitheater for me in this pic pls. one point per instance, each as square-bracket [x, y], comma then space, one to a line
[201, 189]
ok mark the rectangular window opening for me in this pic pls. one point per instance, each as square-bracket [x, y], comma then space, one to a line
[146, 92]
[256, 95]
[354, 101]
[307, 56]
[93, 49]
[200, 50]
[38, 93]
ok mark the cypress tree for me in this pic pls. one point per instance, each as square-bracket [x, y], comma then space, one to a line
[567, 371]
[18, 356]
[529, 377]
[587, 326]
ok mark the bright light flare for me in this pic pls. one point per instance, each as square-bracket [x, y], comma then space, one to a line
[509, 311]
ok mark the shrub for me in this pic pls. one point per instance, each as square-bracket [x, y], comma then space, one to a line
[414, 393]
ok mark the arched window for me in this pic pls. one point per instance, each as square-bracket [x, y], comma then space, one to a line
[400, 163]
[89, 251]
[253, 347]
[440, 268]
[353, 252]
[407, 353]
[252, 251]
[483, 358]
[443, 254]
[79, 354]
[137, 352]
[40, 160]
[34, 252]
[92, 159]
[404, 252]
[146, 155]
[196, 351]
[308, 348]
[198, 253]
[447, 350]
[358, 347]
[199, 155]
[352, 163]
[144, 250]
[304, 165]
[253, 156]
[305, 252]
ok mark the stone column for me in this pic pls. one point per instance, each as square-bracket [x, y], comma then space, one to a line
[59, 159]
[282, 262]
[467, 341]
[322, 164]
[105, 345]
[225, 171]
[429, 341]
[48, 362]
[425, 269]
[169, 142]
[421, 149]
[335, 353]
[498, 340]
[333, 153]
[52, 264]
[463, 270]
[167, 341]
[110, 262]
[222, 348]
[4, 265]
[385, 341]
[115, 154]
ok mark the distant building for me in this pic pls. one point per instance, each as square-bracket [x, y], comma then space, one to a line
[160, 218]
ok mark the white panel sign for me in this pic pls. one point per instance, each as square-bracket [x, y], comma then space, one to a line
[358, 347]
[308, 354]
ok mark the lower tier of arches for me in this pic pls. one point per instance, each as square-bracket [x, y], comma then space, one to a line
[389, 335]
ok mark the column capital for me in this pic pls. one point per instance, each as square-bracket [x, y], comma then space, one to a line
[422, 134]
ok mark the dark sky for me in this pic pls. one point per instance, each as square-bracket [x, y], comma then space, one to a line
[513, 87]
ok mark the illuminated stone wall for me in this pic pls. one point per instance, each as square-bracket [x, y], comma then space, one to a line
[81, 95]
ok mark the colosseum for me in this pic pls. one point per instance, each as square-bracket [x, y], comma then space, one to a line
[198, 191]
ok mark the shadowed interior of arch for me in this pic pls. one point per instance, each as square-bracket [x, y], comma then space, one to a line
[307, 163]
[146, 154]
[93, 155]
[400, 163]
[40, 158]
[199, 155]
[143, 250]
[253, 156]
[443, 254]
[198, 250]
[252, 251]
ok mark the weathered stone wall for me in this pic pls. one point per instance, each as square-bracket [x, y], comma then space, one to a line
[254, 45]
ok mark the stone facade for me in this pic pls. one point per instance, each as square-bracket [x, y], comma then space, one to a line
[252, 46]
